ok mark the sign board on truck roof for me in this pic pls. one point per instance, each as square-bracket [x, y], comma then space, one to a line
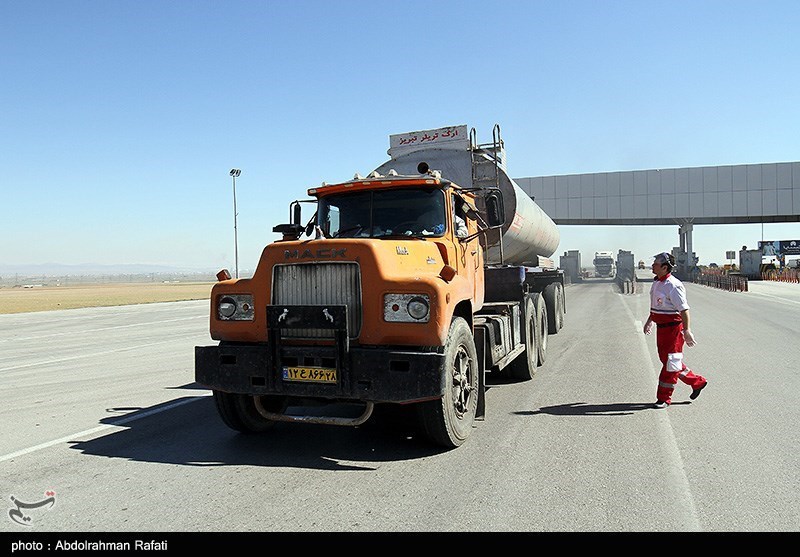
[451, 137]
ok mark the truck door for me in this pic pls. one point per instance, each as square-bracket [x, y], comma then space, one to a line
[469, 258]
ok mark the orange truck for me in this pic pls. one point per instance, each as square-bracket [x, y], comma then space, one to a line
[404, 291]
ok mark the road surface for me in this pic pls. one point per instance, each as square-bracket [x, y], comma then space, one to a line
[101, 414]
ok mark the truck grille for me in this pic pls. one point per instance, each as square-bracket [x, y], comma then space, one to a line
[318, 284]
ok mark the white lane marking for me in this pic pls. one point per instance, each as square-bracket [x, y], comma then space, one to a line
[73, 333]
[676, 475]
[96, 312]
[88, 432]
[93, 354]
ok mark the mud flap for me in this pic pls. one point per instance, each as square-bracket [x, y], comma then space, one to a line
[480, 346]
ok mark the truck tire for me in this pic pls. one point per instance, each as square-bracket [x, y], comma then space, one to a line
[541, 329]
[553, 302]
[239, 411]
[448, 421]
[523, 368]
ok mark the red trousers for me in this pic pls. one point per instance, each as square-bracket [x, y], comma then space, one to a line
[669, 340]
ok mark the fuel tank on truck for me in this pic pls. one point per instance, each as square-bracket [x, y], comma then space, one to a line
[528, 231]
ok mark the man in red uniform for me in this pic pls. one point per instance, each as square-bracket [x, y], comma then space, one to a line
[669, 311]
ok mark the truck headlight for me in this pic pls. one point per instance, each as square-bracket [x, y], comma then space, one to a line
[236, 307]
[418, 308]
[414, 308]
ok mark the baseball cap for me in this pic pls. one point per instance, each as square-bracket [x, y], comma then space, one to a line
[663, 257]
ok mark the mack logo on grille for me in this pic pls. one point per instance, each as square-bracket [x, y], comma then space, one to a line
[314, 254]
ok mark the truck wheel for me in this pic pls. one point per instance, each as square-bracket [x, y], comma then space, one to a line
[523, 368]
[563, 306]
[239, 411]
[553, 302]
[448, 421]
[541, 329]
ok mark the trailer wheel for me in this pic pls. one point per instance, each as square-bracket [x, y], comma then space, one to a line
[541, 329]
[448, 421]
[553, 301]
[523, 368]
[239, 411]
[562, 305]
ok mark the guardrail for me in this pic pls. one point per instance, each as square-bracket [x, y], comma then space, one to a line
[784, 275]
[732, 283]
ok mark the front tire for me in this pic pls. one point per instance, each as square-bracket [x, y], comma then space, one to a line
[239, 411]
[448, 421]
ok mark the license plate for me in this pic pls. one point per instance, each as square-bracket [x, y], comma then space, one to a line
[310, 374]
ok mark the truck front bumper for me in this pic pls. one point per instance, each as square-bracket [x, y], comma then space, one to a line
[362, 374]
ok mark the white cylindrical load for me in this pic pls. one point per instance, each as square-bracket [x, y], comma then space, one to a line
[528, 231]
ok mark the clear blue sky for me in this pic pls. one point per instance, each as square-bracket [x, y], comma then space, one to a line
[120, 120]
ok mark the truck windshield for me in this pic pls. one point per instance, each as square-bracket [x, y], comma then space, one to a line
[414, 212]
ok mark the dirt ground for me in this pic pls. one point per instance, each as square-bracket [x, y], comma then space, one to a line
[45, 298]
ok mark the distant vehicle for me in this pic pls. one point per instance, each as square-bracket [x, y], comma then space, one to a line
[713, 266]
[604, 266]
[770, 265]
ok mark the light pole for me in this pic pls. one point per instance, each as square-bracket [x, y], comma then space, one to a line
[234, 173]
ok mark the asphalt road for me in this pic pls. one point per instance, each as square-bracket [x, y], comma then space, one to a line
[101, 414]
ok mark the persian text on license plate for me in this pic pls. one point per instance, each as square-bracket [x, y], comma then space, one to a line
[311, 374]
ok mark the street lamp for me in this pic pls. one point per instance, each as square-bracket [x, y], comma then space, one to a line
[235, 172]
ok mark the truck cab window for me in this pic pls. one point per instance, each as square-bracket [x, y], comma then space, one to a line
[345, 215]
[459, 218]
[413, 212]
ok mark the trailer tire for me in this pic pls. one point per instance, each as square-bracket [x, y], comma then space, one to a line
[239, 411]
[448, 421]
[542, 328]
[523, 368]
[553, 301]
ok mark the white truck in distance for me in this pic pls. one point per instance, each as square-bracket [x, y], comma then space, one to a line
[604, 266]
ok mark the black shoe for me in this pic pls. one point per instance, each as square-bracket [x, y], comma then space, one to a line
[696, 392]
[660, 404]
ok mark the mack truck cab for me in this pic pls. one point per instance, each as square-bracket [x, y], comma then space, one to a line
[383, 297]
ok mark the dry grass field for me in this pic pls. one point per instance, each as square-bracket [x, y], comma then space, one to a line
[45, 298]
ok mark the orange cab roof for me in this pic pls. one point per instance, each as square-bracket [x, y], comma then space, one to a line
[382, 181]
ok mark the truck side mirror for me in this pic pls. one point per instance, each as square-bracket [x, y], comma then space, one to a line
[294, 229]
[495, 216]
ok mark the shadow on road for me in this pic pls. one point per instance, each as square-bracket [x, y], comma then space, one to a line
[188, 431]
[584, 409]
